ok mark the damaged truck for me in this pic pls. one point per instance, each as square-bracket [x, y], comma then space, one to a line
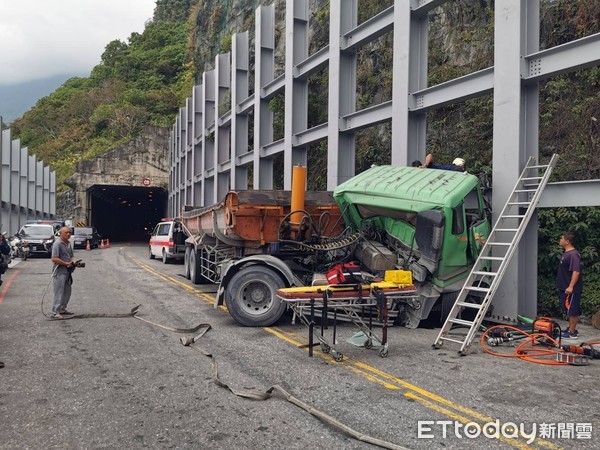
[430, 222]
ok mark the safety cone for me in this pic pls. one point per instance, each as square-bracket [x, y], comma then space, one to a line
[102, 243]
[87, 246]
[107, 243]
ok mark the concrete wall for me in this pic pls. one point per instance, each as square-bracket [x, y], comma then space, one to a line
[146, 157]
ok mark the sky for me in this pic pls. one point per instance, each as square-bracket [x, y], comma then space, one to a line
[44, 38]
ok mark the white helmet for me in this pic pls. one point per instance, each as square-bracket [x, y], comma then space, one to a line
[459, 162]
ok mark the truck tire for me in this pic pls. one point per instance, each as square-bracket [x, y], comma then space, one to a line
[250, 297]
[186, 262]
[195, 266]
[447, 301]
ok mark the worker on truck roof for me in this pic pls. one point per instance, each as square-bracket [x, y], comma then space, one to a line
[458, 165]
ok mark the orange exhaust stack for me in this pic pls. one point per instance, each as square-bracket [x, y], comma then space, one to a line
[298, 191]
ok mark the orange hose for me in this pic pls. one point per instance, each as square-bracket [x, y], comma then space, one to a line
[523, 352]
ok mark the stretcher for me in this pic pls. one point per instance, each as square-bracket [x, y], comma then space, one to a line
[353, 301]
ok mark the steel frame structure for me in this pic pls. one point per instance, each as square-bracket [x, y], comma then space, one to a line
[27, 186]
[209, 151]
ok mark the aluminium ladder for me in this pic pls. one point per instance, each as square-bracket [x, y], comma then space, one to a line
[483, 280]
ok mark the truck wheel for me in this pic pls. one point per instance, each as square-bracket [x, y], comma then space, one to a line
[196, 269]
[186, 262]
[150, 252]
[447, 301]
[473, 297]
[250, 297]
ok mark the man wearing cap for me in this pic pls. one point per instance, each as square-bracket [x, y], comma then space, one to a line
[458, 165]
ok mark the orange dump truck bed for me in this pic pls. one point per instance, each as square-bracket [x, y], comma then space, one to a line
[253, 218]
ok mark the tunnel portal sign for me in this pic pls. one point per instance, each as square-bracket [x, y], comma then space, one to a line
[146, 182]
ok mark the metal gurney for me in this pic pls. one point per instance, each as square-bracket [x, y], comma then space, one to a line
[353, 300]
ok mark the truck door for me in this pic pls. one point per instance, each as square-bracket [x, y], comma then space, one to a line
[477, 224]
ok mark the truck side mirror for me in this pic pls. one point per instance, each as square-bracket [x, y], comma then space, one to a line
[429, 235]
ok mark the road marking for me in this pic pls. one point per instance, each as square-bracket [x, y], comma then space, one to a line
[391, 382]
[461, 419]
[7, 284]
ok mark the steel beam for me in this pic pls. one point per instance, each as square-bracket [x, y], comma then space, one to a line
[312, 135]
[453, 91]
[273, 149]
[569, 194]
[367, 117]
[311, 65]
[420, 8]
[576, 55]
[369, 30]
[272, 88]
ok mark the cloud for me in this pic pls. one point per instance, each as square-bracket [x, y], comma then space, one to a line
[43, 38]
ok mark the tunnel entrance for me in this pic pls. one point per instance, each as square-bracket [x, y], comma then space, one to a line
[126, 213]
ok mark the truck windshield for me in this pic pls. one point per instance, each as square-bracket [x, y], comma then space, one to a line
[367, 212]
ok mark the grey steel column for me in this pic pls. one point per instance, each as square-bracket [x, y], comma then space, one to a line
[46, 194]
[515, 139]
[410, 75]
[208, 141]
[5, 182]
[222, 130]
[39, 191]
[176, 162]
[23, 197]
[296, 89]
[181, 149]
[198, 133]
[264, 72]
[15, 163]
[32, 161]
[341, 152]
[189, 152]
[170, 159]
[52, 211]
[239, 121]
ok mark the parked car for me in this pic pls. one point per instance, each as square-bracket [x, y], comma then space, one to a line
[167, 241]
[84, 234]
[40, 238]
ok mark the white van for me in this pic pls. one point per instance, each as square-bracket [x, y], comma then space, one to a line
[167, 241]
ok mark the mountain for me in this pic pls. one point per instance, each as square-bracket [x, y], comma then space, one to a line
[16, 99]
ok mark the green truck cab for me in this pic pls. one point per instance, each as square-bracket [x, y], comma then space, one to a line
[431, 222]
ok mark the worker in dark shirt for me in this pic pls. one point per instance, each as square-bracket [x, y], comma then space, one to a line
[569, 282]
[458, 165]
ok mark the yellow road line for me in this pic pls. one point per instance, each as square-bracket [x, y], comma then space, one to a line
[424, 397]
[514, 442]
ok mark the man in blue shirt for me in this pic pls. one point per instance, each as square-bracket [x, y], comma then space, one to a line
[458, 165]
[569, 282]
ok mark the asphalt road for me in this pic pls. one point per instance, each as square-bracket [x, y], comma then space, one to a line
[125, 383]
